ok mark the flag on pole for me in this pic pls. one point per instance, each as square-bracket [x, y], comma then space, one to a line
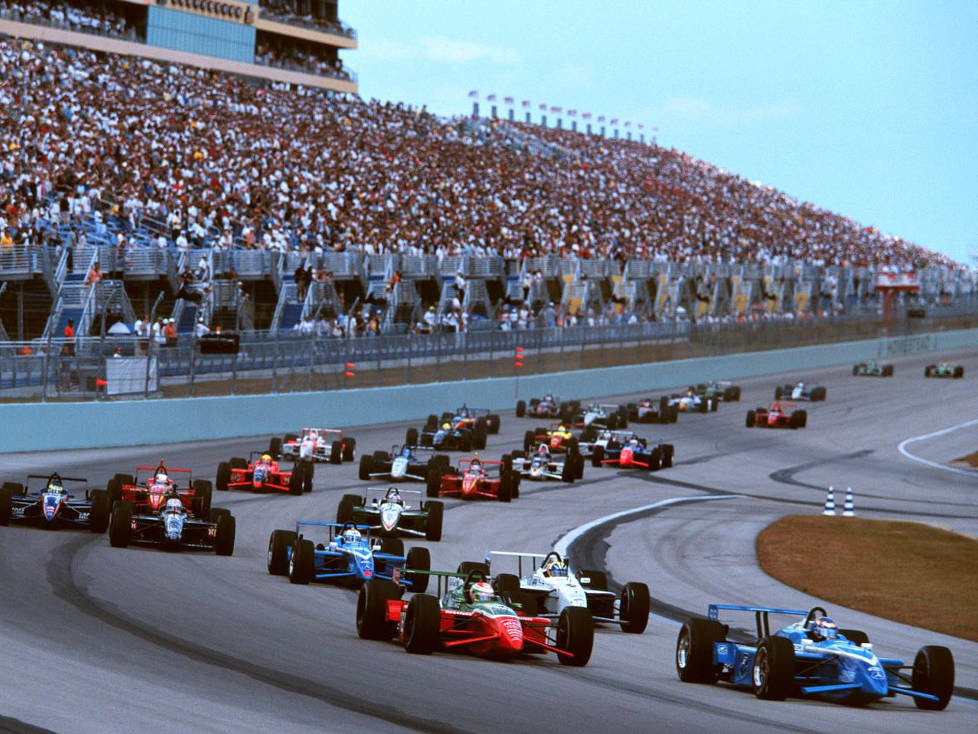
[474, 94]
[508, 100]
[491, 98]
[543, 106]
[554, 108]
[586, 115]
[628, 123]
[641, 126]
[525, 103]
[572, 113]
[600, 118]
[613, 121]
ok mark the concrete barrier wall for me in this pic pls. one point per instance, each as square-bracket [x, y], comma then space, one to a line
[32, 426]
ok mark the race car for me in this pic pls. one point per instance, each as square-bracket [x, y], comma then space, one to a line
[558, 439]
[651, 410]
[448, 436]
[50, 503]
[348, 555]
[777, 415]
[633, 452]
[549, 406]
[262, 473]
[692, 402]
[944, 369]
[324, 445]
[548, 586]
[474, 479]
[468, 615]
[872, 369]
[148, 488]
[542, 465]
[597, 416]
[171, 526]
[720, 389]
[401, 463]
[470, 417]
[800, 391]
[387, 513]
[809, 658]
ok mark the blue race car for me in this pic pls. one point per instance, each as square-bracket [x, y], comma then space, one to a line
[349, 554]
[809, 658]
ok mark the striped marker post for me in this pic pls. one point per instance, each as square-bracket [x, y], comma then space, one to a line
[847, 509]
[829, 502]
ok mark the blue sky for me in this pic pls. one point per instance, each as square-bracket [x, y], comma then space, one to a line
[869, 109]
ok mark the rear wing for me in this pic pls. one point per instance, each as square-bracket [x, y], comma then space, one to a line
[385, 490]
[167, 469]
[45, 477]
[332, 527]
[760, 615]
[321, 431]
[533, 559]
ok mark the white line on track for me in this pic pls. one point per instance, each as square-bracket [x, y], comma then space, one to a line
[565, 542]
[913, 457]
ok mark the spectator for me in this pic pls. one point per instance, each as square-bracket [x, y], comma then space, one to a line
[69, 334]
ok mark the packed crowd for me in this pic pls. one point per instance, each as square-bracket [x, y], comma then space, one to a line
[300, 61]
[289, 11]
[73, 15]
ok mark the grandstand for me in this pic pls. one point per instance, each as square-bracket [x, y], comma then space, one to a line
[221, 171]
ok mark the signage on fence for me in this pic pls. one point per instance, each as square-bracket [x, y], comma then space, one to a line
[127, 375]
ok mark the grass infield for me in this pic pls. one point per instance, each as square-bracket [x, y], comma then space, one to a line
[908, 572]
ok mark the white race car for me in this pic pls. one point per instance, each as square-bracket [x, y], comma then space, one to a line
[542, 466]
[546, 584]
[691, 402]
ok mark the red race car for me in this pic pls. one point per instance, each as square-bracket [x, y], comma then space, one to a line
[474, 481]
[471, 616]
[262, 473]
[149, 493]
[777, 415]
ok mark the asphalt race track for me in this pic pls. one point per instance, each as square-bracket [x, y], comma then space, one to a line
[108, 640]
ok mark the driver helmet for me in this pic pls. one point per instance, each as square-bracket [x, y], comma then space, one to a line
[481, 591]
[823, 628]
[446, 426]
[393, 494]
[544, 450]
[464, 412]
[55, 485]
[554, 567]
[174, 505]
[162, 478]
[633, 442]
[406, 451]
[351, 535]
[561, 428]
[475, 465]
[266, 458]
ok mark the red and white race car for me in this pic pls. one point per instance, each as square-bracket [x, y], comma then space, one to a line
[314, 444]
[262, 474]
[475, 479]
[777, 415]
[148, 488]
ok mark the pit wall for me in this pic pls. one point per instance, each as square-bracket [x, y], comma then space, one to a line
[52, 426]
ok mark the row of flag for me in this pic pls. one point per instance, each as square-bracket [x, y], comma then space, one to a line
[554, 109]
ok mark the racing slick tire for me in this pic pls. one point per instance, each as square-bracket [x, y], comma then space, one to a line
[799, 419]
[120, 525]
[344, 511]
[466, 441]
[411, 438]
[774, 668]
[277, 560]
[857, 637]
[419, 559]
[468, 567]
[958, 372]
[507, 460]
[226, 529]
[372, 622]
[694, 650]
[929, 370]
[433, 480]
[933, 673]
[612, 421]
[597, 455]
[6, 507]
[668, 451]
[568, 472]
[308, 472]
[349, 448]
[575, 634]
[203, 493]
[114, 490]
[98, 518]
[238, 463]
[336, 452]
[275, 446]
[506, 585]
[427, 439]
[441, 460]
[887, 370]
[633, 611]
[223, 477]
[392, 546]
[778, 392]
[366, 465]
[520, 408]
[302, 561]
[819, 393]
[529, 438]
[517, 479]
[579, 464]
[573, 445]
[751, 419]
[296, 478]
[422, 624]
[493, 423]
[505, 493]
[714, 404]
[479, 437]
[597, 580]
[436, 515]
[655, 459]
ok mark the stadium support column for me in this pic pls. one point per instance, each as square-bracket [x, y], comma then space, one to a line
[512, 115]
[589, 128]
[560, 124]
[528, 118]
[543, 120]
[493, 112]
[475, 109]
[574, 125]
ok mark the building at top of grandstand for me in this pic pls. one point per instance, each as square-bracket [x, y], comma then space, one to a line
[291, 41]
